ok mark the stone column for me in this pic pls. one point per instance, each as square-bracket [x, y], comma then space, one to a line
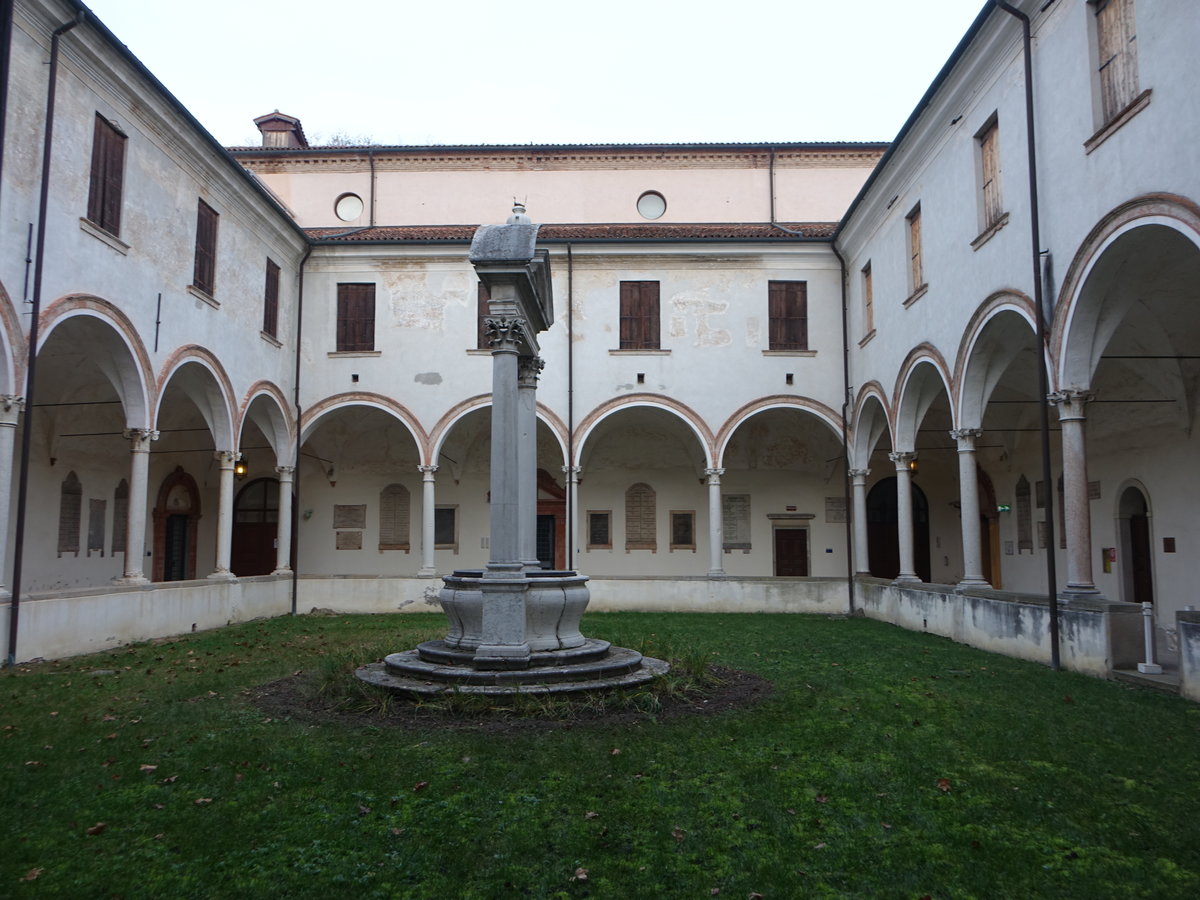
[135, 527]
[968, 492]
[858, 485]
[904, 516]
[528, 368]
[283, 539]
[428, 561]
[226, 459]
[10, 413]
[716, 531]
[1076, 506]
[573, 473]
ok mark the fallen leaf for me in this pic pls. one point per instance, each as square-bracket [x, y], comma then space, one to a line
[1068, 699]
[591, 815]
[201, 801]
[943, 785]
[55, 713]
[420, 785]
[170, 779]
[755, 895]
[821, 798]
[886, 826]
[616, 751]
[713, 892]
[397, 831]
[34, 762]
[581, 874]
[677, 833]
[820, 846]
[146, 767]
[31, 874]
[363, 810]
[98, 828]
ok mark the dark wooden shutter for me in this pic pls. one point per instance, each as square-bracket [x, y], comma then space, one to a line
[485, 295]
[356, 317]
[107, 174]
[914, 248]
[787, 315]
[204, 276]
[271, 299]
[639, 315]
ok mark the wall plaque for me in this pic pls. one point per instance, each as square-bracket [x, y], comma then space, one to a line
[347, 516]
[349, 540]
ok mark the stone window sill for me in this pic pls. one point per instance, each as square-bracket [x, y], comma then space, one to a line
[640, 352]
[352, 354]
[986, 234]
[104, 236]
[1140, 102]
[916, 295]
[808, 353]
[867, 338]
[204, 295]
[271, 339]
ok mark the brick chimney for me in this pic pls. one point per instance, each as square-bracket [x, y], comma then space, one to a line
[280, 130]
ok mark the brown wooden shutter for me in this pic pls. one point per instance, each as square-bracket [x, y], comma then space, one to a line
[271, 300]
[106, 178]
[914, 247]
[356, 317]
[787, 315]
[204, 276]
[989, 159]
[639, 315]
[1116, 39]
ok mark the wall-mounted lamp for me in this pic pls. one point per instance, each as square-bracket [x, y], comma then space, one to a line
[239, 469]
[912, 466]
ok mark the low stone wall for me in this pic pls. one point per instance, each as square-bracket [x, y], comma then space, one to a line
[85, 621]
[1095, 636]
[1187, 627]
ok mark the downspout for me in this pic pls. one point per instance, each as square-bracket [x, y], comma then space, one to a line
[296, 402]
[371, 161]
[34, 315]
[572, 497]
[846, 431]
[771, 191]
[1039, 305]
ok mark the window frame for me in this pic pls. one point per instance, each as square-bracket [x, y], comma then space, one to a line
[787, 315]
[987, 155]
[106, 183]
[607, 514]
[204, 268]
[271, 300]
[868, 301]
[690, 516]
[916, 256]
[351, 334]
[640, 315]
[452, 509]
[1115, 67]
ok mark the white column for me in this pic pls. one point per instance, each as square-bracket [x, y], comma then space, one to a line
[10, 413]
[428, 562]
[858, 484]
[505, 479]
[135, 527]
[528, 368]
[1076, 506]
[904, 515]
[573, 473]
[968, 493]
[716, 531]
[226, 459]
[283, 539]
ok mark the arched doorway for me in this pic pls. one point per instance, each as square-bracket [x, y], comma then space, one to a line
[989, 529]
[1137, 576]
[255, 528]
[176, 513]
[551, 522]
[883, 533]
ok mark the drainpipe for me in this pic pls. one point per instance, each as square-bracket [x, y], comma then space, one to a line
[774, 224]
[296, 401]
[34, 315]
[1039, 304]
[845, 431]
[572, 478]
[371, 161]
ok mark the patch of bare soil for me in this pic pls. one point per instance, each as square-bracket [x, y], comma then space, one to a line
[296, 697]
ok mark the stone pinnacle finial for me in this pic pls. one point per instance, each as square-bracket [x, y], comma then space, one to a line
[518, 216]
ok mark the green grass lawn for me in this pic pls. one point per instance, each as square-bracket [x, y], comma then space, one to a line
[886, 764]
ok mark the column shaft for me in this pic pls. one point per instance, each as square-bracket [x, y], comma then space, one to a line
[858, 484]
[528, 368]
[968, 492]
[904, 515]
[716, 531]
[10, 411]
[1076, 506]
[428, 497]
[135, 526]
[283, 539]
[226, 459]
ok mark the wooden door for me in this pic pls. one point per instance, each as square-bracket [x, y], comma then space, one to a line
[791, 551]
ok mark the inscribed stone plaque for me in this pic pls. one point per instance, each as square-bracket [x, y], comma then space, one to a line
[347, 516]
[835, 509]
[1042, 535]
[1041, 495]
[1093, 490]
[349, 540]
[735, 521]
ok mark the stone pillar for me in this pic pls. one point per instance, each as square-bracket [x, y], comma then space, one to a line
[283, 539]
[428, 561]
[528, 368]
[716, 531]
[135, 527]
[968, 492]
[10, 413]
[904, 516]
[1076, 506]
[573, 473]
[858, 485]
[226, 459]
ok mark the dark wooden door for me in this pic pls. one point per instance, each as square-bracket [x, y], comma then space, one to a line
[791, 551]
[1139, 547]
[546, 528]
[883, 532]
[255, 528]
[175, 549]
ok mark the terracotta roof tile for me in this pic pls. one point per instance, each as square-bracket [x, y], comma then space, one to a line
[753, 231]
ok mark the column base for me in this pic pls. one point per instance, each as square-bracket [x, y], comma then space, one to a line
[283, 570]
[716, 573]
[1150, 668]
[427, 573]
[907, 579]
[131, 580]
[1081, 592]
[221, 575]
[972, 583]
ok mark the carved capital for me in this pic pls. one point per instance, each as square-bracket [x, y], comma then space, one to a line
[714, 476]
[505, 334]
[966, 437]
[427, 471]
[285, 472]
[227, 458]
[904, 459]
[528, 370]
[859, 475]
[140, 438]
[11, 407]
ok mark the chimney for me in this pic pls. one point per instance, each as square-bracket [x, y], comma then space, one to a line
[281, 130]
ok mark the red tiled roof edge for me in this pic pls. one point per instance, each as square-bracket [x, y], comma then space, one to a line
[758, 231]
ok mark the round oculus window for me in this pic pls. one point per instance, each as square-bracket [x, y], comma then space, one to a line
[651, 205]
[348, 207]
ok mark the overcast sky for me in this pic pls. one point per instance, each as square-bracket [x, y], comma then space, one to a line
[547, 71]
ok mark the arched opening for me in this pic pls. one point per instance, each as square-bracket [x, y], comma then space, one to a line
[989, 529]
[1137, 575]
[176, 514]
[255, 528]
[883, 530]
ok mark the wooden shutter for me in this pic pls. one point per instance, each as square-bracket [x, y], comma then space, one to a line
[787, 315]
[868, 300]
[356, 317]
[271, 300]
[1116, 40]
[989, 160]
[1024, 516]
[914, 247]
[639, 315]
[107, 174]
[394, 506]
[640, 518]
[70, 508]
[204, 276]
[484, 295]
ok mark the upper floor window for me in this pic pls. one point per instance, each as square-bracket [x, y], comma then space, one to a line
[205, 271]
[868, 287]
[108, 171]
[916, 262]
[271, 300]
[787, 314]
[1116, 51]
[639, 315]
[987, 140]
[355, 317]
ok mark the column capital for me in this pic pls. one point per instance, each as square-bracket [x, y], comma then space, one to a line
[902, 458]
[285, 472]
[505, 334]
[1070, 402]
[427, 471]
[572, 473]
[227, 458]
[966, 438]
[714, 475]
[528, 370]
[141, 438]
[11, 406]
[857, 474]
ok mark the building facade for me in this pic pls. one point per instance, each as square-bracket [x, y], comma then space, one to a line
[791, 376]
